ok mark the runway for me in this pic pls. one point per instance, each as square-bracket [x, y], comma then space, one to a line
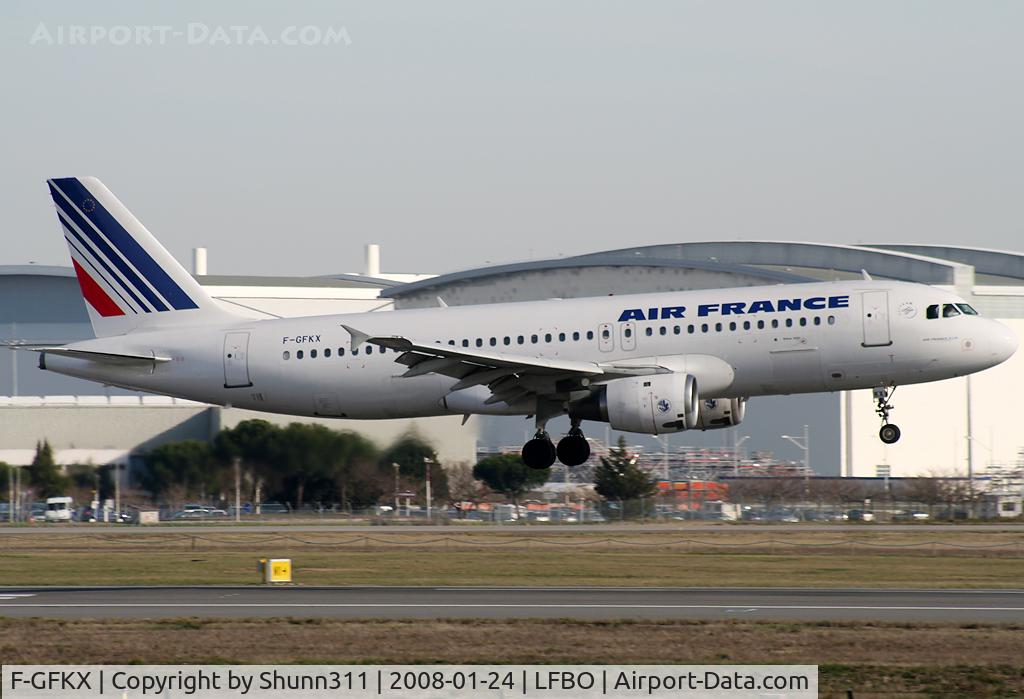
[515, 602]
[283, 527]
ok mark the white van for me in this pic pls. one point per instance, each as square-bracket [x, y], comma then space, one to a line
[59, 509]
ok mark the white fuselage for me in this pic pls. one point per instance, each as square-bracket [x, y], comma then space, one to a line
[841, 335]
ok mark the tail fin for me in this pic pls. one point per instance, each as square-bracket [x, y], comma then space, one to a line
[127, 277]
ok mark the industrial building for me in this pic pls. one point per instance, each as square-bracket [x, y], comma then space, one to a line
[949, 428]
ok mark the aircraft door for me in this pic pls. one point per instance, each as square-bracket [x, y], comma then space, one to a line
[236, 360]
[875, 318]
[605, 339]
[627, 340]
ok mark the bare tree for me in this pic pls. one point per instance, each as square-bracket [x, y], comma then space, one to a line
[464, 488]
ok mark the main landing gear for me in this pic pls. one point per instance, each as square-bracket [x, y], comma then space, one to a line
[889, 434]
[572, 450]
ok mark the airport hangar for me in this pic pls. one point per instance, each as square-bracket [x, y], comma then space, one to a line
[949, 427]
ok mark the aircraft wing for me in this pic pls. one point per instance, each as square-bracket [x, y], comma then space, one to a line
[511, 378]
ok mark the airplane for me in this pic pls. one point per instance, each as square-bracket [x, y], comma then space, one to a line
[646, 363]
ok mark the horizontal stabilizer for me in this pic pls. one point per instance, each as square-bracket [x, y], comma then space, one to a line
[116, 358]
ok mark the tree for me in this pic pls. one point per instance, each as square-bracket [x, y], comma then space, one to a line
[618, 478]
[413, 455]
[508, 475]
[44, 475]
[187, 466]
[463, 487]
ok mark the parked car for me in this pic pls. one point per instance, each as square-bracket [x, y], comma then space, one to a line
[273, 508]
[861, 516]
[59, 509]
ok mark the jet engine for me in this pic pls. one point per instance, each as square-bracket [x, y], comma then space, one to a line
[654, 404]
[718, 413]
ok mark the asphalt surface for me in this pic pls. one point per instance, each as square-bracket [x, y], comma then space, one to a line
[519, 529]
[514, 602]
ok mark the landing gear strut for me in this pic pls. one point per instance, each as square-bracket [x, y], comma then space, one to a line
[889, 434]
[573, 448]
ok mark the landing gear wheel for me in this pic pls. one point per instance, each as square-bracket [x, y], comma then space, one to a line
[539, 452]
[573, 449]
[890, 434]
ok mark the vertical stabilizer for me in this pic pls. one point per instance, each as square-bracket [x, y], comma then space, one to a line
[127, 278]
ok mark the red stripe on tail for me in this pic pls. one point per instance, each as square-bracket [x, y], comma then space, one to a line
[95, 294]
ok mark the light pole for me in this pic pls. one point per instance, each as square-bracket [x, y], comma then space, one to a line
[427, 461]
[805, 445]
[396, 467]
[736, 444]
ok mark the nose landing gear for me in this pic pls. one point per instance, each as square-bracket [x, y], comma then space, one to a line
[889, 433]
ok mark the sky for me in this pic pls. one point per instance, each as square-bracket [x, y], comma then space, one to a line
[457, 134]
[462, 133]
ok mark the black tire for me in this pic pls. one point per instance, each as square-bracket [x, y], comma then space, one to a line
[889, 434]
[539, 453]
[573, 450]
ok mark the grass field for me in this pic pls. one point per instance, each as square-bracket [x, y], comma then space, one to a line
[731, 557]
[874, 659]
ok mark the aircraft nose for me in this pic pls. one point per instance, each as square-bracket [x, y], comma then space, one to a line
[1004, 343]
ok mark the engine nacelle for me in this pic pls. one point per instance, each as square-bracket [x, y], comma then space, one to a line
[654, 404]
[718, 413]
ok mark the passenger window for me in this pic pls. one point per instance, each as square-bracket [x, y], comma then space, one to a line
[341, 351]
[817, 320]
[760, 325]
[576, 336]
[451, 342]
[312, 354]
[789, 322]
[507, 340]
[967, 309]
[831, 320]
[732, 326]
[933, 312]
[369, 349]
[561, 337]
[286, 354]
[465, 342]
[718, 327]
[628, 332]
[590, 334]
[479, 342]
[676, 329]
[690, 329]
[355, 353]
[649, 332]
[746, 325]
[327, 352]
[605, 334]
[533, 338]
[803, 322]
[703, 327]
[775, 322]
[547, 337]
[298, 355]
[520, 340]
[493, 342]
[949, 310]
[664, 330]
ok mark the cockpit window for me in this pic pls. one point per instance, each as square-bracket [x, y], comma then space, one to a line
[949, 310]
[967, 309]
[933, 312]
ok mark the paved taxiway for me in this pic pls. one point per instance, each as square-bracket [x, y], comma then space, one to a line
[498, 602]
[517, 529]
